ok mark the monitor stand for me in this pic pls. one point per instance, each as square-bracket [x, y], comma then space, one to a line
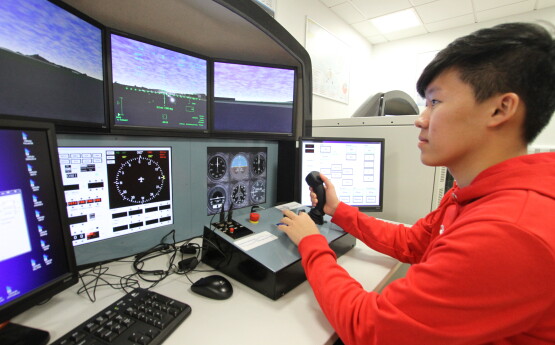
[14, 334]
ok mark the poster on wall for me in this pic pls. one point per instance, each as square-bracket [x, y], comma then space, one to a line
[330, 63]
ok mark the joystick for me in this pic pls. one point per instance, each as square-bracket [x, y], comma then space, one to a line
[315, 181]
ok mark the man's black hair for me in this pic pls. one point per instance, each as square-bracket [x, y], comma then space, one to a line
[512, 57]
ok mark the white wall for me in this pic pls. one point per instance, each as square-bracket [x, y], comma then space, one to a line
[387, 66]
[398, 64]
[292, 15]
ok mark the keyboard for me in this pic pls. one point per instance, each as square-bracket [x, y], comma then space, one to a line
[140, 317]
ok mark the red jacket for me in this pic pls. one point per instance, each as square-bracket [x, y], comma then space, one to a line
[483, 266]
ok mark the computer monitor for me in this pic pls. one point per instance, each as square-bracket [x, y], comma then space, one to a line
[52, 64]
[253, 99]
[355, 167]
[112, 193]
[36, 256]
[157, 87]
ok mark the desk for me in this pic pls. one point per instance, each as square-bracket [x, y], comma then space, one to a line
[246, 318]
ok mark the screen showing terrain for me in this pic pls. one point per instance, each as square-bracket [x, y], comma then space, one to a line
[155, 87]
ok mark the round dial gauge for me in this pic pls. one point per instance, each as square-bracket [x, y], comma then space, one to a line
[239, 194]
[217, 167]
[258, 192]
[258, 164]
[139, 180]
[239, 167]
[216, 198]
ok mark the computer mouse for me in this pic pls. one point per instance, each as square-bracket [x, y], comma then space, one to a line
[214, 286]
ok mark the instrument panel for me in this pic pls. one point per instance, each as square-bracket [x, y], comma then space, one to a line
[236, 177]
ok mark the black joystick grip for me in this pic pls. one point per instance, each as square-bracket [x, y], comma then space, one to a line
[315, 181]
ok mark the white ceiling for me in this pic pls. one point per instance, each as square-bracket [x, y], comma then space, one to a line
[435, 15]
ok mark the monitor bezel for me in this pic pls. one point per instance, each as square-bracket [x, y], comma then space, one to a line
[61, 283]
[248, 134]
[152, 130]
[96, 253]
[69, 126]
[304, 186]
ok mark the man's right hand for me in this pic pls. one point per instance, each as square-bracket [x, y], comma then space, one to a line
[331, 196]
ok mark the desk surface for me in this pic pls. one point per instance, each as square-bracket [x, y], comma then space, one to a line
[247, 316]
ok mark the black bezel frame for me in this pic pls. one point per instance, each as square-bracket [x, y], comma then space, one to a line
[151, 130]
[248, 134]
[69, 126]
[301, 179]
[78, 252]
[61, 283]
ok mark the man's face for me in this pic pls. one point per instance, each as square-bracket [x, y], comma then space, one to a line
[453, 123]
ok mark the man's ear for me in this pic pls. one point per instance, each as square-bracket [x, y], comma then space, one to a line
[507, 106]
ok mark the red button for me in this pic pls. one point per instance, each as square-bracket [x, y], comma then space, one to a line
[254, 217]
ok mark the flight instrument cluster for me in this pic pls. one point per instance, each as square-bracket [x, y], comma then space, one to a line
[236, 177]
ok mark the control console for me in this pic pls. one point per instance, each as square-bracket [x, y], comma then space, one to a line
[260, 255]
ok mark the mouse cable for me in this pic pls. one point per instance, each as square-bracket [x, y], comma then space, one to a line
[161, 249]
[97, 276]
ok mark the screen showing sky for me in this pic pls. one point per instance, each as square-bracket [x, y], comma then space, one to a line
[253, 83]
[39, 27]
[136, 63]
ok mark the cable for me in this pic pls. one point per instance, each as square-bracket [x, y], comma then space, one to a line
[99, 277]
[158, 250]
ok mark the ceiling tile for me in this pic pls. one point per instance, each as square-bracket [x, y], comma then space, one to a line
[366, 28]
[467, 19]
[483, 5]
[443, 9]
[545, 3]
[331, 3]
[436, 15]
[420, 2]
[376, 8]
[419, 30]
[504, 11]
[348, 13]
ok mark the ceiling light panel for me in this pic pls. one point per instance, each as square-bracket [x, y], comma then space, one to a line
[376, 8]
[397, 21]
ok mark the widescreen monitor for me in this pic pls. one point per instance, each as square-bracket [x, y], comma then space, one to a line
[51, 58]
[157, 87]
[355, 167]
[114, 192]
[253, 99]
[36, 256]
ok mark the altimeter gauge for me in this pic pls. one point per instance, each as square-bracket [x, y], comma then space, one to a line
[217, 167]
[258, 165]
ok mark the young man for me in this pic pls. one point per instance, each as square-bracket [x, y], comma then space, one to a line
[483, 263]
